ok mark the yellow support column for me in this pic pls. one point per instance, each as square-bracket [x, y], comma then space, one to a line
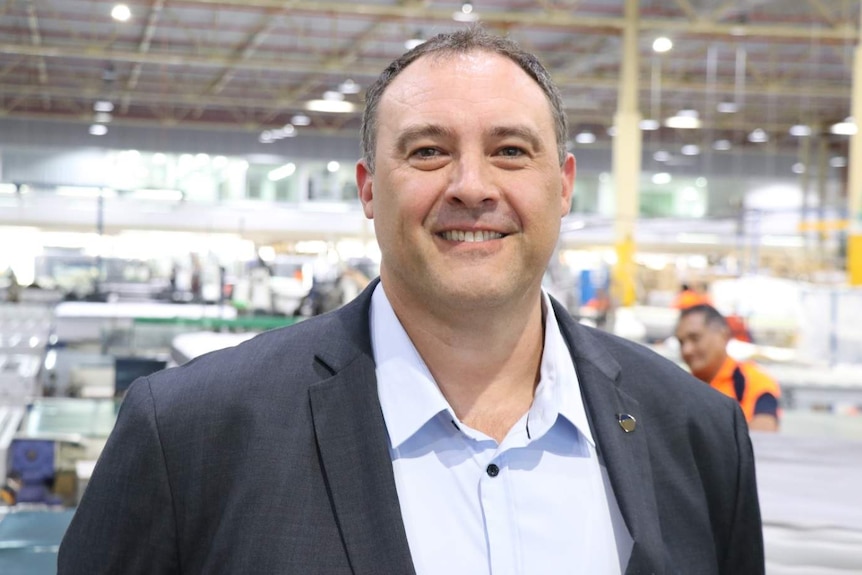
[627, 161]
[854, 179]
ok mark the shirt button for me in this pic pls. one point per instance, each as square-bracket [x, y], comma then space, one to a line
[492, 470]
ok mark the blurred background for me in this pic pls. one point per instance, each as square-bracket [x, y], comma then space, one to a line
[176, 176]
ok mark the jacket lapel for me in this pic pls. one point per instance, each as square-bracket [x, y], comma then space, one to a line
[353, 446]
[625, 455]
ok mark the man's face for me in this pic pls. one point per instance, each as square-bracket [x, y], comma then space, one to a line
[703, 346]
[468, 191]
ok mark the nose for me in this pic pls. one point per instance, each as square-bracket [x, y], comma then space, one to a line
[685, 348]
[473, 182]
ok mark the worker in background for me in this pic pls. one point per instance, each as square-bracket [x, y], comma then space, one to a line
[690, 297]
[703, 335]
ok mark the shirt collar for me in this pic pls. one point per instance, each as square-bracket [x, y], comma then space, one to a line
[409, 396]
[559, 391]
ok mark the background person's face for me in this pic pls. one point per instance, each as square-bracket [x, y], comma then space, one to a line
[468, 191]
[702, 346]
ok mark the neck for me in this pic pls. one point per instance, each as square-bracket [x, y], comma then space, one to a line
[708, 375]
[487, 366]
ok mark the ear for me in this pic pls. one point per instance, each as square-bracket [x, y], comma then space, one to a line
[365, 184]
[567, 180]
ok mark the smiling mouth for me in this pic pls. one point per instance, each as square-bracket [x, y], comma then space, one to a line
[471, 236]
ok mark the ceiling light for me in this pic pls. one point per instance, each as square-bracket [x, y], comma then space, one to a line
[758, 136]
[648, 125]
[465, 14]
[727, 107]
[300, 120]
[690, 150]
[281, 172]
[585, 138]
[103, 106]
[349, 87]
[798, 168]
[331, 106]
[721, 145]
[266, 137]
[121, 13]
[662, 44]
[845, 128]
[661, 178]
[800, 130]
[333, 96]
[286, 131]
[684, 120]
[611, 131]
[662, 156]
[838, 162]
[332, 166]
[98, 130]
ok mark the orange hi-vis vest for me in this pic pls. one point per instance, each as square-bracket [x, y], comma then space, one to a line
[756, 383]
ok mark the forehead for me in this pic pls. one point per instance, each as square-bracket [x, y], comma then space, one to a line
[477, 77]
[694, 322]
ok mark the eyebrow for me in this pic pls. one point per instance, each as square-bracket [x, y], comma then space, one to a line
[418, 132]
[520, 132]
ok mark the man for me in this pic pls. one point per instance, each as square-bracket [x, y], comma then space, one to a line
[703, 335]
[453, 418]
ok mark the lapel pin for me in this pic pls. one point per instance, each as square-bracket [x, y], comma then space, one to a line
[627, 422]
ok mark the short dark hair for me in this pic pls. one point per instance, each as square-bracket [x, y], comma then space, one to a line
[473, 38]
[711, 316]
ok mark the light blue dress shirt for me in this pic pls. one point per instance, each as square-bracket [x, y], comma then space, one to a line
[537, 503]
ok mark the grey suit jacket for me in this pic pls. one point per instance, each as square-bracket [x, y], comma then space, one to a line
[272, 457]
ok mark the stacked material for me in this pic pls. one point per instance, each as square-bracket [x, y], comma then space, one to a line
[810, 501]
[24, 333]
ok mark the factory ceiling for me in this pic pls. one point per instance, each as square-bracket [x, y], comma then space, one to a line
[268, 67]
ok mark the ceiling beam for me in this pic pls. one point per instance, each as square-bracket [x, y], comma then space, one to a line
[824, 12]
[144, 46]
[188, 96]
[687, 9]
[554, 19]
[179, 59]
[36, 40]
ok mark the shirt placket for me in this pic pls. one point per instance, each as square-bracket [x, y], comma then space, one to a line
[500, 525]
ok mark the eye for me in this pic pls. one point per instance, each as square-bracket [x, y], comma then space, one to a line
[428, 158]
[425, 152]
[511, 152]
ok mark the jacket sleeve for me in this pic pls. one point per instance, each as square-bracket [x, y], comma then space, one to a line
[125, 521]
[744, 552]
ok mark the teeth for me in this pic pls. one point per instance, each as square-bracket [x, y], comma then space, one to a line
[477, 236]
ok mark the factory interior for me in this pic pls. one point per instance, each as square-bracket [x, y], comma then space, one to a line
[177, 177]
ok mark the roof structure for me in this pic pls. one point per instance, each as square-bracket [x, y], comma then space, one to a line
[261, 65]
